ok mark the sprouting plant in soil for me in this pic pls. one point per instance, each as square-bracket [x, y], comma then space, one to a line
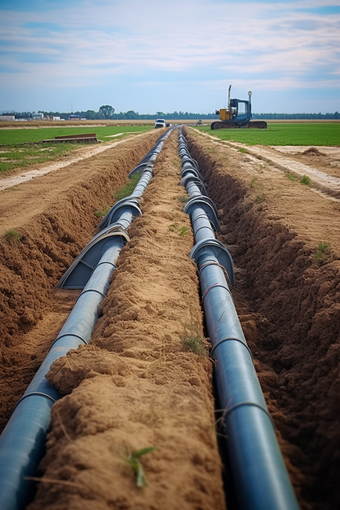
[191, 339]
[260, 198]
[127, 189]
[183, 199]
[136, 465]
[181, 231]
[323, 252]
[305, 180]
[291, 176]
[104, 209]
[12, 236]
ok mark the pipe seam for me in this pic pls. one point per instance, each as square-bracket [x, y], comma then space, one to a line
[228, 339]
[91, 290]
[68, 334]
[211, 287]
[38, 393]
[206, 264]
[253, 404]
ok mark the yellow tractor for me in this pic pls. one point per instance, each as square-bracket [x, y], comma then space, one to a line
[237, 115]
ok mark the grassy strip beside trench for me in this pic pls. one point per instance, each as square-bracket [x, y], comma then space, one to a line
[307, 134]
[20, 148]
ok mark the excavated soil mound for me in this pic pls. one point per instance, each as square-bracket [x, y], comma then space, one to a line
[313, 151]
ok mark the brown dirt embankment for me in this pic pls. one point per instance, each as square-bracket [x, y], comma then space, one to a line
[285, 242]
[55, 217]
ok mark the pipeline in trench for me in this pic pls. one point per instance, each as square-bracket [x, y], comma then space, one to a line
[205, 228]
[259, 473]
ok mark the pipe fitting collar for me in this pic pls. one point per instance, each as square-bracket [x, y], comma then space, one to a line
[218, 250]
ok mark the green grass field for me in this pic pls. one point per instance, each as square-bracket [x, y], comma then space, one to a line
[104, 133]
[307, 134]
[16, 151]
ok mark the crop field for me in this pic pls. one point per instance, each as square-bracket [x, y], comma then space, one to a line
[21, 147]
[315, 134]
[30, 135]
[139, 420]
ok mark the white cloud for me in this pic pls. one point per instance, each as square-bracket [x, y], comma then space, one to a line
[269, 44]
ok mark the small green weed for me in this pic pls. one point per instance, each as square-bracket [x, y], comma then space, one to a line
[100, 213]
[323, 253]
[127, 189]
[133, 460]
[173, 227]
[243, 150]
[192, 341]
[183, 199]
[12, 236]
[253, 182]
[181, 231]
[291, 176]
[177, 162]
[260, 198]
[305, 180]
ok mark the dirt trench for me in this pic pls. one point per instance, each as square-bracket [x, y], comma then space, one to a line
[160, 393]
[139, 384]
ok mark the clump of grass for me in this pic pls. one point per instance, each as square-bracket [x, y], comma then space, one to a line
[260, 198]
[173, 227]
[12, 236]
[243, 150]
[305, 180]
[323, 253]
[177, 162]
[291, 176]
[253, 182]
[181, 231]
[192, 341]
[127, 189]
[100, 213]
[183, 199]
[134, 462]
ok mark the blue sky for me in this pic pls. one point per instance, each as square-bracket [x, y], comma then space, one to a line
[178, 55]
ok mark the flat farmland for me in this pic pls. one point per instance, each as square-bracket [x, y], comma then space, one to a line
[137, 385]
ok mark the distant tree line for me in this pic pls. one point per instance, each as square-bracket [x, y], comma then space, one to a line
[108, 112]
[301, 116]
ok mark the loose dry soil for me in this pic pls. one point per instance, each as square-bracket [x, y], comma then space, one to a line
[136, 385]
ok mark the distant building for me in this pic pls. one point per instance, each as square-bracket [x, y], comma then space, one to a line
[37, 116]
[7, 117]
[74, 116]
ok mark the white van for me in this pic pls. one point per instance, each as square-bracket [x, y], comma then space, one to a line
[160, 123]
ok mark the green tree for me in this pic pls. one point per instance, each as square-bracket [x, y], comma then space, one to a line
[107, 111]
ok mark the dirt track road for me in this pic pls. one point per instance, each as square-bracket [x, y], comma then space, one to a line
[285, 241]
